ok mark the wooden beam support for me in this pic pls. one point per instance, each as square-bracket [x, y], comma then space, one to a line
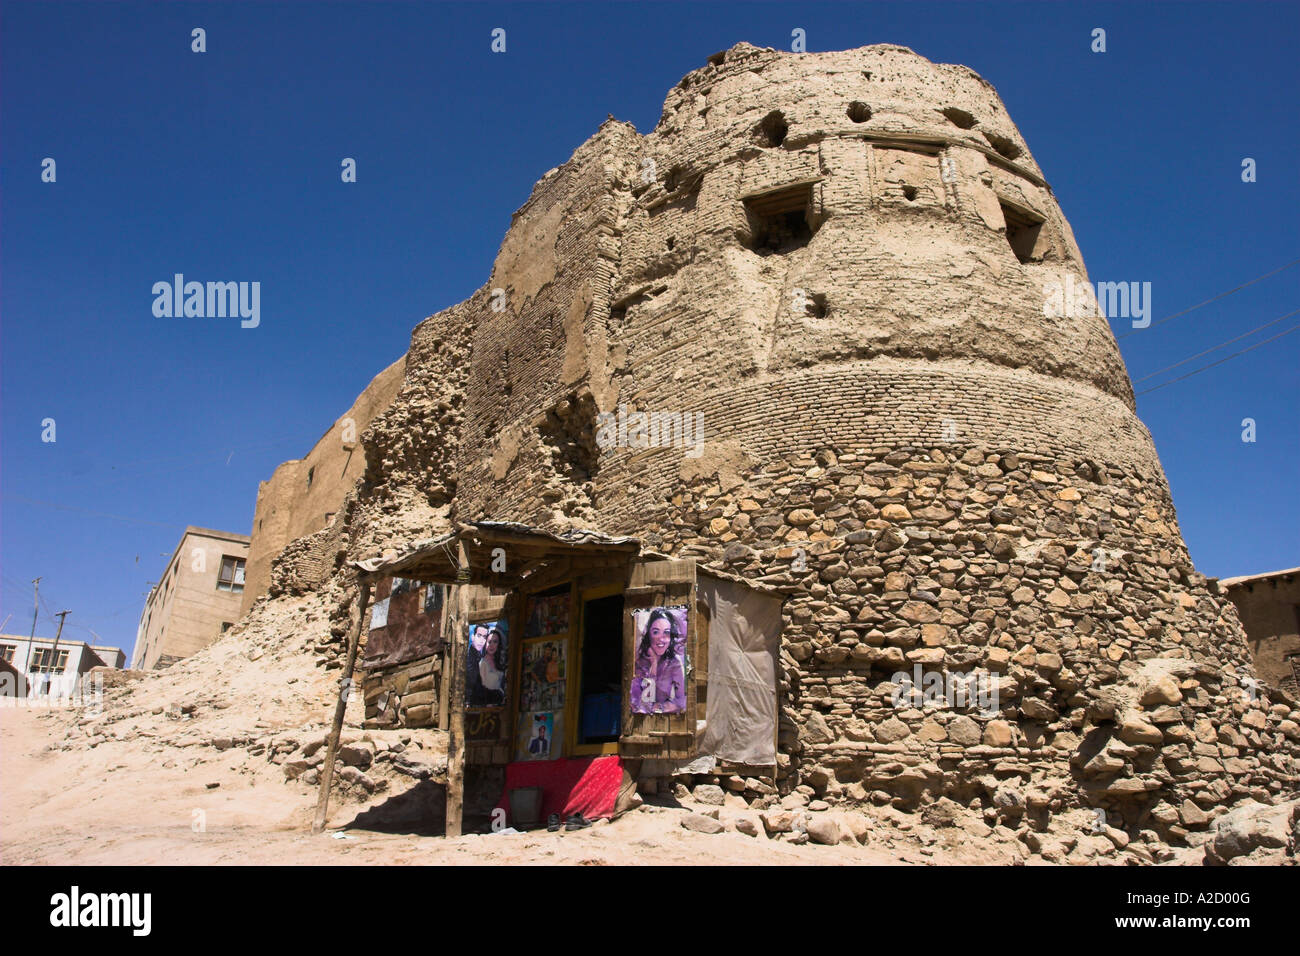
[459, 638]
[345, 690]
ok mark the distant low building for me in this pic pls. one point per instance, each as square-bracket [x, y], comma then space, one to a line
[53, 669]
[1269, 605]
[196, 600]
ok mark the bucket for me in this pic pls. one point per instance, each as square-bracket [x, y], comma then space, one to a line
[525, 807]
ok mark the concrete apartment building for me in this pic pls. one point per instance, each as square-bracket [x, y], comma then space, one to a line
[50, 669]
[196, 600]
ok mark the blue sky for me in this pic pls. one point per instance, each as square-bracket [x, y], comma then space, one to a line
[225, 166]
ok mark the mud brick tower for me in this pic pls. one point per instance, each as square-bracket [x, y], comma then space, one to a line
[839, 262]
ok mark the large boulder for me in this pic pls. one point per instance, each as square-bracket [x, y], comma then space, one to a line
[1250, 827]
[828, 829]
[701, 824]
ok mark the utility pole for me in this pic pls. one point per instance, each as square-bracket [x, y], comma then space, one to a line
[54, 654]
[36, 607]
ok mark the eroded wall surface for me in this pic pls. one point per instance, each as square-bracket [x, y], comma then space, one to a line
[302, 497]
[837, 264]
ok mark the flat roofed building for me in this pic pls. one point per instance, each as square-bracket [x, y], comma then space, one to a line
[196, 600]
[53, 668]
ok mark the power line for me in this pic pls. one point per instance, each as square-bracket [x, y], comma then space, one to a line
[98, 514]
[1258, 328]
[1216, 298]
[133, 472]
[1220, 361]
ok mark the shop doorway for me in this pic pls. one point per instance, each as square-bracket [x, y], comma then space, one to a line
[601, 676]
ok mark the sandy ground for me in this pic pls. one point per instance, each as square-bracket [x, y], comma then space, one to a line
[132, 803]
[175, 768]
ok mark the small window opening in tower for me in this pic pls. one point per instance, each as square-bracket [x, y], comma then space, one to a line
[1005, 147]
[780, 221]
[959, 118]
[771, 131]
[1023, 228]
[859, 112]
[909, 193]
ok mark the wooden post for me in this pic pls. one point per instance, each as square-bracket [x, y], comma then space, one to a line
[345, 690]
[444, 675]
[456, 738]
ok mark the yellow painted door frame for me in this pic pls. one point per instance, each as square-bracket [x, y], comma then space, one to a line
[573, 702]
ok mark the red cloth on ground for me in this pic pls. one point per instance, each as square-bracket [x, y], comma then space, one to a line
[586, 785]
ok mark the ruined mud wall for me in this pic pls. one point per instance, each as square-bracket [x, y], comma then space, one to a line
[840, 262]
[1270, 610]
[291, 505]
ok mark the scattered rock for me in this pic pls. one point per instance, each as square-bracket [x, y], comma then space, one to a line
[777, 821]
[701, 824]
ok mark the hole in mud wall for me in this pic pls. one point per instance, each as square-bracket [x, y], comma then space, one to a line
[780, 221]
[617, 318]
[671, 243]
[959, 118]
[1023, 229]
[771, 131]
[1005, 147]
[505, 372]
[718, 58]
[568, 437]
[818, 307]
[859, 112]
[909, 193]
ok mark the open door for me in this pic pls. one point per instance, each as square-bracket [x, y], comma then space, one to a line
[598, 717]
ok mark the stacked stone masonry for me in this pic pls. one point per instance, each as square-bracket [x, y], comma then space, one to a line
[838, 261]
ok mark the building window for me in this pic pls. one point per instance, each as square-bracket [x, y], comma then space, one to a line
[311, 473]
[7, 652]
[231, 577]
[44, 661]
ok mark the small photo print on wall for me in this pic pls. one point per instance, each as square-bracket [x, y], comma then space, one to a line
[537, 737]
[485, 664]
[547, 614]
[542, 686]
[659, 669]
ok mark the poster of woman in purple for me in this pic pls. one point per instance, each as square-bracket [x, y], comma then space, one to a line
[659, 673]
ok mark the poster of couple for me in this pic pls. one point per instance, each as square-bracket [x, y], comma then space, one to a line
[485, 666]
[659, 669]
